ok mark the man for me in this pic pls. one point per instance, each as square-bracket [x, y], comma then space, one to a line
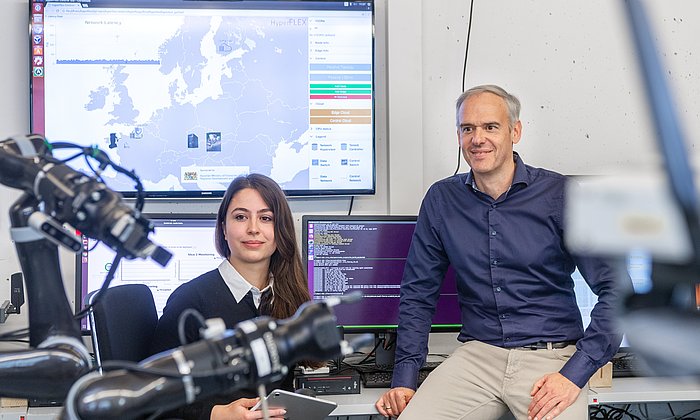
[500, 227]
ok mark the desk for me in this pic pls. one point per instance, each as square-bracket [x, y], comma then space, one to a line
[624, 390]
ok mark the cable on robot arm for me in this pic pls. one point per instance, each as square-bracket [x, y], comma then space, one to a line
[104, 161]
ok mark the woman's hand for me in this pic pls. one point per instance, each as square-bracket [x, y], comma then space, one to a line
[240, 410]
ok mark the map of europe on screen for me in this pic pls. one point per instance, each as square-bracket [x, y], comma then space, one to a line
[223, 81]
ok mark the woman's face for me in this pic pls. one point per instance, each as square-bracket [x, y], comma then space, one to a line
[249, 229]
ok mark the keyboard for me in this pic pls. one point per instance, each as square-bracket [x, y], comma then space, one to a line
[382, 378]
[626, 367]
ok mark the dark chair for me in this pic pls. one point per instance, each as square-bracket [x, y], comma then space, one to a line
[122, 323]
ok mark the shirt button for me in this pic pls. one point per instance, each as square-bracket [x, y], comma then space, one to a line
[507, 338]
[493, 233]
[503, 316]
[498, 289]
[494, 262]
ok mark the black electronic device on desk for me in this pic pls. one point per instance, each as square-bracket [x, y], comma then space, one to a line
[381, 378]
[346, 381]
[627, 365]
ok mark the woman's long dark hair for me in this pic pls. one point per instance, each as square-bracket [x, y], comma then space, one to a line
[290, 289]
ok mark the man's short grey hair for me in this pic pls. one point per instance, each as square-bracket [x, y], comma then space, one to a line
[512, 103]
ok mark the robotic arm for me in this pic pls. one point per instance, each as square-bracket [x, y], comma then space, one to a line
[70, 197]
[255, 352]
[56, 195]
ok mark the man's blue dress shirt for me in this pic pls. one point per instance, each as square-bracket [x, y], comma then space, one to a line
[513, 273]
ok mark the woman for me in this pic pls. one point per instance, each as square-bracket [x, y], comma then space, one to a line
[261, 275]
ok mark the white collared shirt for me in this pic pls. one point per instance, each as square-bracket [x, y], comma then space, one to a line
[239, 286]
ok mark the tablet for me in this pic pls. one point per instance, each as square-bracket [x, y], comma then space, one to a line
[298, 406]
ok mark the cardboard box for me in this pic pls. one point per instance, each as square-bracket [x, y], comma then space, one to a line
[12, 402]
[602, 378]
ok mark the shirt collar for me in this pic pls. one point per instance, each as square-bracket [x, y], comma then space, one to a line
[239, 286]
[520, 176]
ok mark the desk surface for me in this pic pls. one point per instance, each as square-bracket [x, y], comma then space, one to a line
[624, 390]
[356, 404]
[649, 389]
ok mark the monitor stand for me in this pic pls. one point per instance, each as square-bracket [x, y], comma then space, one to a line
[385, 349]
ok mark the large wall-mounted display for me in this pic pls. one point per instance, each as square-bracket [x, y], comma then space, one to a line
[190, 94]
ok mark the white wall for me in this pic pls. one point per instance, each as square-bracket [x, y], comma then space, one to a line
[571, 62]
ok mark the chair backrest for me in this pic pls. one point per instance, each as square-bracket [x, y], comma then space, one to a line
[122, 323]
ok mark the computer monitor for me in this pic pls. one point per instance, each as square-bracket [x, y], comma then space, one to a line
[190, 237]
[368, 253]
[209, 90]
[638, 265]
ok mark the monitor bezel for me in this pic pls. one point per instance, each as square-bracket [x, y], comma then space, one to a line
[79, 297]
[36, 84]
[377, 328]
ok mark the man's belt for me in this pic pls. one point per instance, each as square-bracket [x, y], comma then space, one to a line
[540, 345]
